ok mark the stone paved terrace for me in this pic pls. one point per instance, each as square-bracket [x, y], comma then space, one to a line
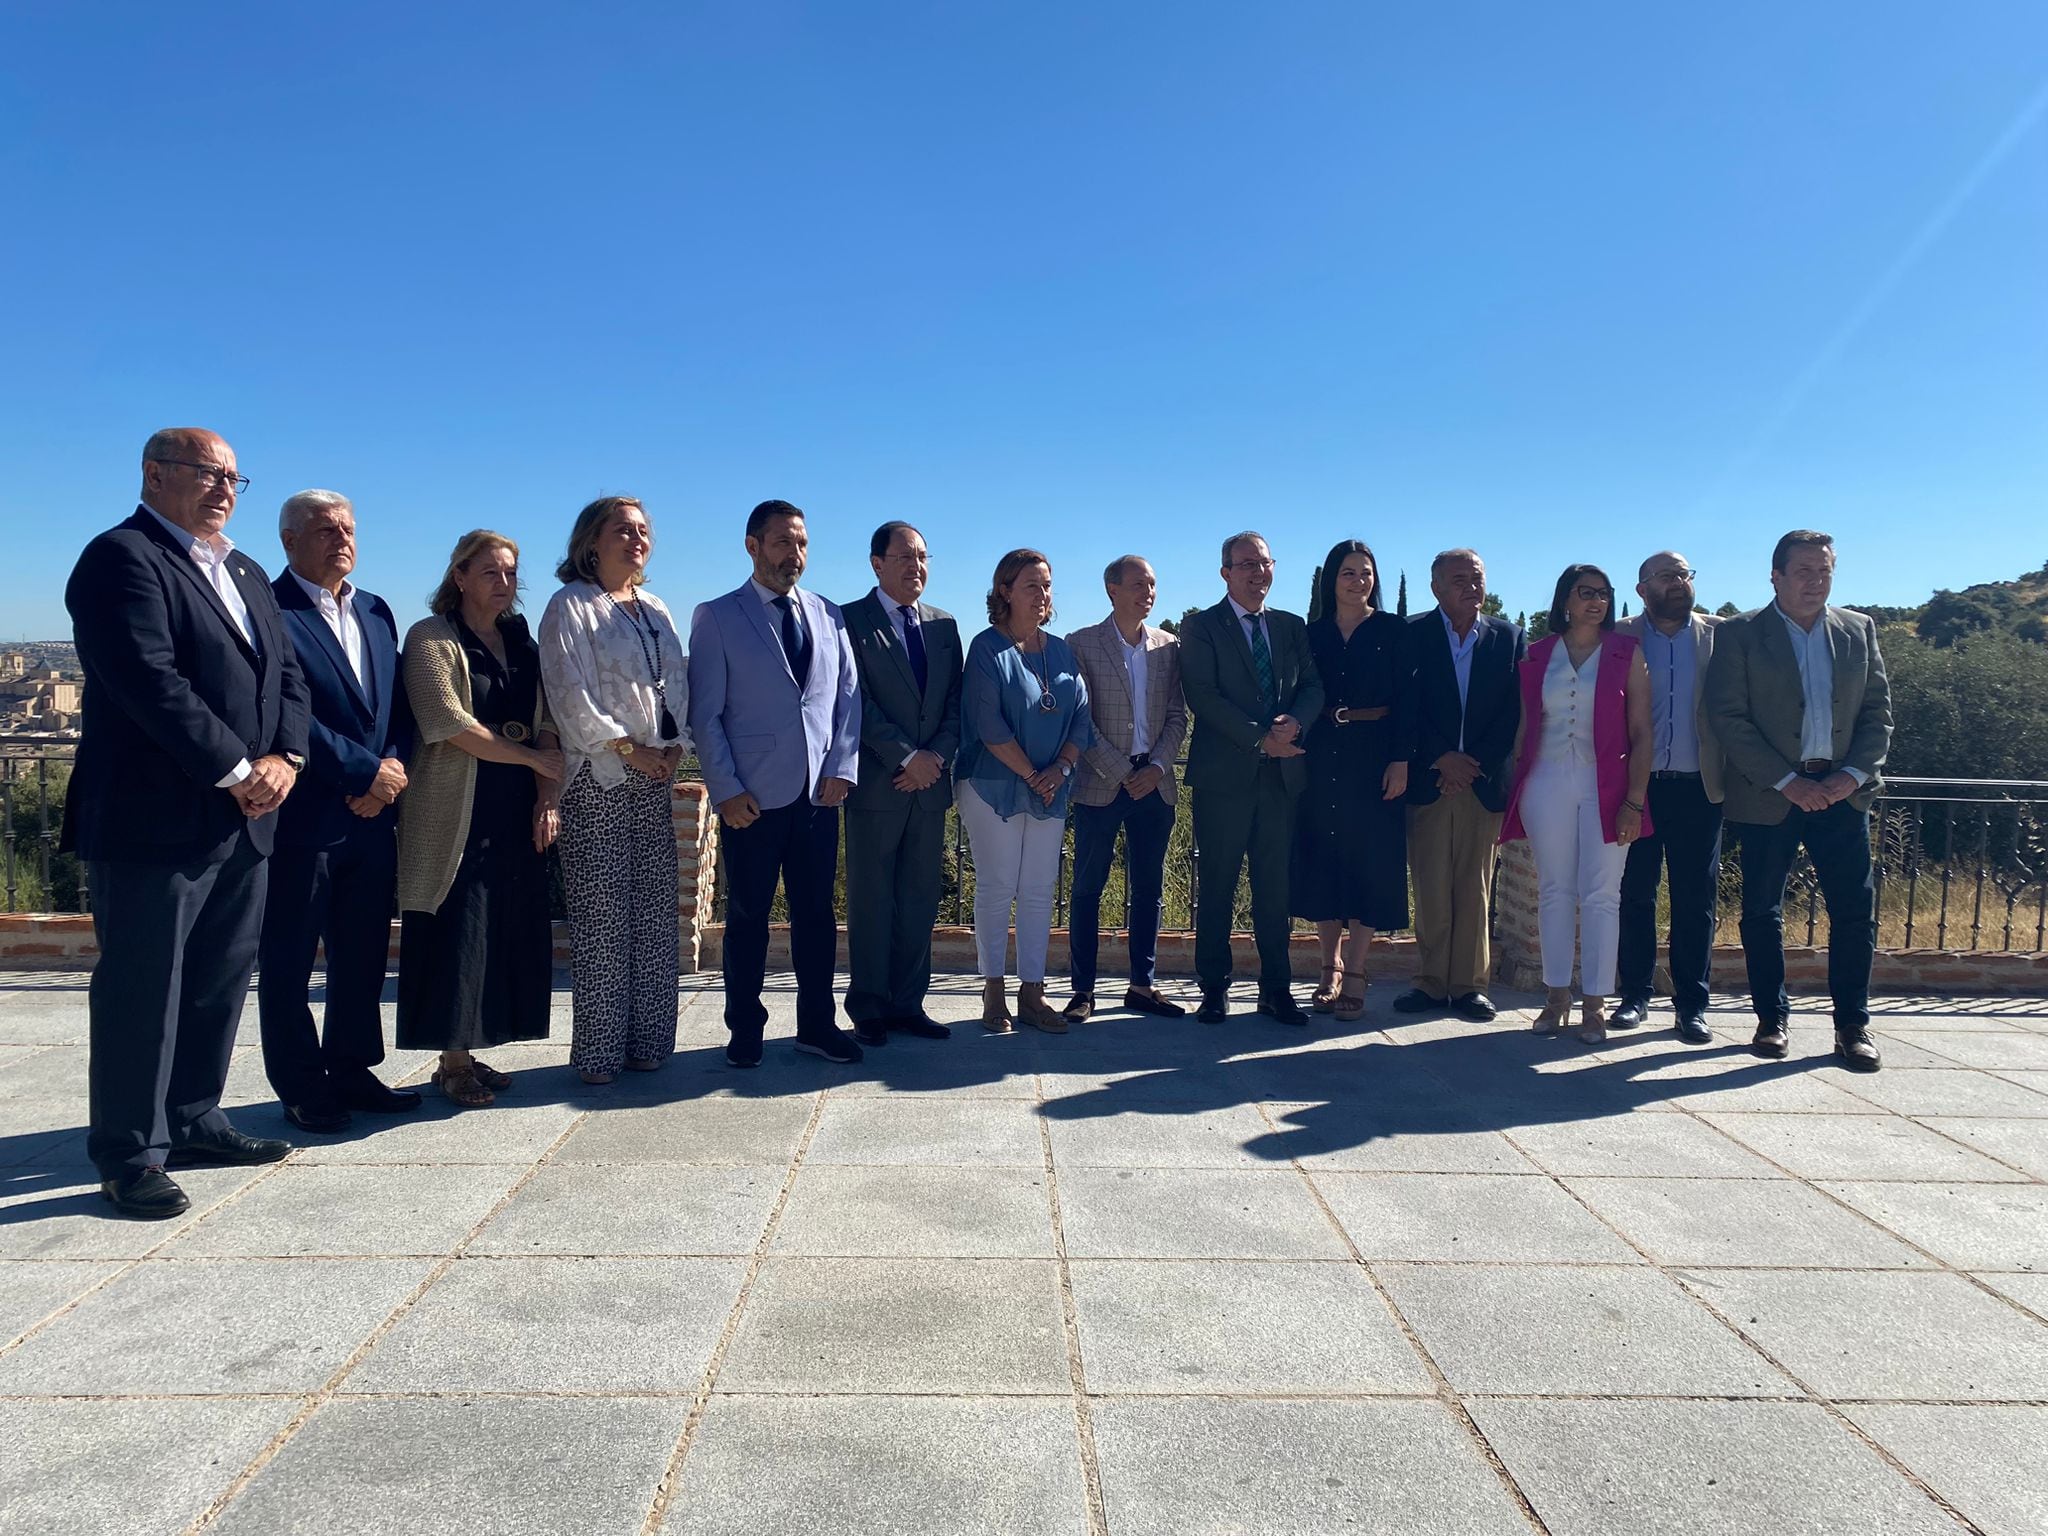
[1148, 1278]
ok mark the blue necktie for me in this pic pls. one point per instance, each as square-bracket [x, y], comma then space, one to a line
[796, 644]
[913, 642]
[1262, 663]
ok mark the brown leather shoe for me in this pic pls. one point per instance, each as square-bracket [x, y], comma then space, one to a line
[1080, 1008]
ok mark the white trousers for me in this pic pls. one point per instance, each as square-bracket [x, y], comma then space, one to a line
[1578, 875]
[1016, 862]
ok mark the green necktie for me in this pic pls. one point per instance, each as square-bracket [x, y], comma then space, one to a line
[1262, 663]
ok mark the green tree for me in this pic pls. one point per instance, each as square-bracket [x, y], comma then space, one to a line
[1976, 709]
[1538, 625]
[1493, 606]
[1727, 610]
[1401, 602]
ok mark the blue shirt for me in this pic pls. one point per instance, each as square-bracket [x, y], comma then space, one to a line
[999, 702]
[1461, 664]
[1817, 684]
[1674, 664]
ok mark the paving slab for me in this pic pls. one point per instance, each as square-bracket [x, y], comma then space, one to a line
[37, 1131]
[1744, 1222]
[30, 1292]
[882, 1466]
[1477, 1217]
[1988, 1462]
[2022, 1049]
[1197, 1466]
[2021, 1144]
[2030, 1291]
[1546, 1330]
[350, 1211]
[1161, 1137]
[484, 1467]
[1862, 1147]
[1641, 1145]
[901, 1212]
[553, 1324]
[1707, 1469]
[1178, 1326]
[56, 1211]
[592, 1210]
[1194, 1213]
[45, 1018]
[53, 1073]
[505, 1132]
[175, 1458]
[1972, 1226]
[1885, 1334]
[957, 1132]
[900, 1326]
[1381, 1142]
[729, 1131]
[240, 1325]
[1956, 1091]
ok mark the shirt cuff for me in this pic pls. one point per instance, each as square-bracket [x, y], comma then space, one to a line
[233, 776]
[908, 756]
[1857, 774]
[1785, 780]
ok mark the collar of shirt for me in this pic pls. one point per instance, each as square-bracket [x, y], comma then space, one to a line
[212, 551]
[1459, 646]
[1243, 613]
[770, 597]
[1800, 633]
[1129, 648]
[327, 601]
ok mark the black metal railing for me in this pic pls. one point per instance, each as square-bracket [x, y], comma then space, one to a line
[35, 772]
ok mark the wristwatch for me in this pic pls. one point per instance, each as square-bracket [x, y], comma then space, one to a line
[1066, 769]
[623, 746]
[294, 761]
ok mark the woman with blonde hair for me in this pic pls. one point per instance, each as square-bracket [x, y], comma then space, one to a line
[618, 689]
[475, 961]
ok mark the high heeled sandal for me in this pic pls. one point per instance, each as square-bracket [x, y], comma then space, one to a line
[1325, 998]
[1557, 1007]
[1351, 1005]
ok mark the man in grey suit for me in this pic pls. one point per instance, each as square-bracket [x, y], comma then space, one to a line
[907, 655]
[1684, 803]
[1798, 696]
[1249, 678]
[1125, 781]
[775, 713]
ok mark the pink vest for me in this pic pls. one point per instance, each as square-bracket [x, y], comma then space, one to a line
[1610, 730]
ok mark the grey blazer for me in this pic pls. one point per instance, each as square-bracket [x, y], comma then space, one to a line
[1756, 707]
[1099, 650]
[895, 719]
[1703, 627]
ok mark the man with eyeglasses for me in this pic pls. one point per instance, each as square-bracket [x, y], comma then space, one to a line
[1798, 696]
[1247, 674]
[1684, 804]
[194, 732]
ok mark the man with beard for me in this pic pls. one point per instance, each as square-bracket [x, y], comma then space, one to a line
[1684, 805]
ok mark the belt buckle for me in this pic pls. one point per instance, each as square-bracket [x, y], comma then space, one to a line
[1341, 714]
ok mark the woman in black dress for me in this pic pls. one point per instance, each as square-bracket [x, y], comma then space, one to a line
[1350, 869]
[475, 964]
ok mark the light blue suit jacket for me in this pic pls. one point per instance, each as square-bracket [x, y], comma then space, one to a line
[755, 732]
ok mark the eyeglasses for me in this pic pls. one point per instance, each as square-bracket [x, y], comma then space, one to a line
[1593, 594]
[1249, 566]
[211, 475]
[1674, 573]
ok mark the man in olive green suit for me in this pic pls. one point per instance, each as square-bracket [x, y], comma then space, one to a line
[1247, 675]
[1797, 694]
[908, 657]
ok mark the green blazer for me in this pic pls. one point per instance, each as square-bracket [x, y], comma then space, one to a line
[1222, 689]
[1756, 707]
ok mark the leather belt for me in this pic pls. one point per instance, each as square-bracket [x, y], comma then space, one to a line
[1343, 715]
[1673, 773]
[1816, 765]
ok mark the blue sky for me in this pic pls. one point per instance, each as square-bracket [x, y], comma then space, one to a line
[1561, 282]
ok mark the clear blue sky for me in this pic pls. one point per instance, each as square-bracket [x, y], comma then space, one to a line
[1561, 282]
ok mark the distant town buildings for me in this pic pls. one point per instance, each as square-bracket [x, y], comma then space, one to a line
[38, 698]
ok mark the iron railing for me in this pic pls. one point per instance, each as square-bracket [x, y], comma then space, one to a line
[35, 771]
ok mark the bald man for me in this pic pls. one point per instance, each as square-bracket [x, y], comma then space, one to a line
[1685, 806]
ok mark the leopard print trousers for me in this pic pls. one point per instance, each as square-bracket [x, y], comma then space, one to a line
[619, 874]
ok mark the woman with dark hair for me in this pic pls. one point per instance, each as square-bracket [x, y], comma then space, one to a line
[1023, 726]
[1350, 868]
[1581, 771]
[475, 962]
[617, 685]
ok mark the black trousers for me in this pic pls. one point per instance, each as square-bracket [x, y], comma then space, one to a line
[343, 895]
[1837, 840]
[797, 844]
[1687, 842]
[894, 878]
[177, 943]
[1231, 831]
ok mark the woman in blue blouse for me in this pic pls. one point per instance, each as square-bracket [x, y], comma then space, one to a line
[1023, 725]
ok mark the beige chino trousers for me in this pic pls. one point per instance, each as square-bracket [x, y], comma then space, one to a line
[1451, 852]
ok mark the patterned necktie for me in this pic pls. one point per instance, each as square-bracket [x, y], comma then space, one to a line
[913, 642]
[796, 644]
[1262, 663]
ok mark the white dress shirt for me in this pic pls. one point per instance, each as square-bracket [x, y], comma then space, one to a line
[340, 614]
[1817, 683]
[1461, 665]
[211, 556]
[1135, 669]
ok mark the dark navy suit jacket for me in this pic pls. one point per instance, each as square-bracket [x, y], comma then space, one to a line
[175, 696]
[1491, 712]
[355, 726]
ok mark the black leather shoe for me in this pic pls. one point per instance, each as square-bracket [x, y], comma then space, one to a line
[743, 1053]
[1080, 1008]
[1857, 1050]
[1215, 1007]
[1282, 1007]
[1153, 1002]
[1771, 1040]
[1476, 1006]
[319, 1119]
[147, 1194]
[1415, 1000]
[920, 1025]
[366, 1093]
[228, 1146]
[1629, 1015]
[1692, 1029]
[832, 1043]
[871, 1032]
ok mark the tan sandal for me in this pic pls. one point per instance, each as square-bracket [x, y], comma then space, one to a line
[1351, 1005]
[463, 1088]
[1557, 1007]
[1325, 998]
[995, 1006]
[489, 1075]
[1593, 1021]
[1034, 1010]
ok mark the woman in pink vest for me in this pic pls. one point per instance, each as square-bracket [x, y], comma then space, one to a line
[1581, 770]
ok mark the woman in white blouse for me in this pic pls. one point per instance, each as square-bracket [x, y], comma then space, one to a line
[1579, 783]
[617, 684]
